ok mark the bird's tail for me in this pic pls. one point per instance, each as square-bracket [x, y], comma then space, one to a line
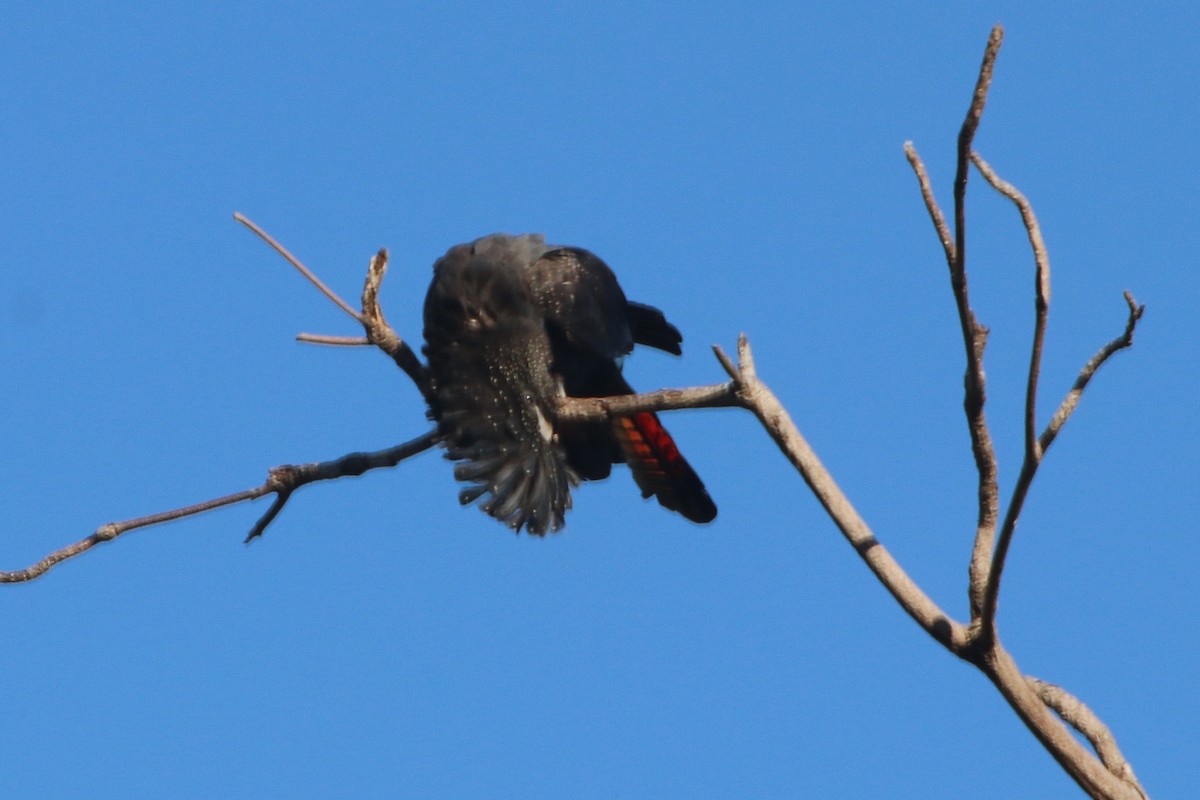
[659, 468]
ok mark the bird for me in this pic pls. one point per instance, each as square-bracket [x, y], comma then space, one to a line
[513, 324]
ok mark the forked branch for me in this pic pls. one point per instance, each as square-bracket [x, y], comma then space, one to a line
[1043, 707]
[974, 334]
[1035, 445]
[1110, 776]
[281, 482]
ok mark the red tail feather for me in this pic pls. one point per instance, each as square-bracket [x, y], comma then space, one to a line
[660, 469]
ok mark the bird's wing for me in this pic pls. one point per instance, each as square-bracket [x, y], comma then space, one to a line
[580, 299]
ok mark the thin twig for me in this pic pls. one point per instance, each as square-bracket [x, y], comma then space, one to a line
[1033, 449]
[379, 332]
[287, 479]
[966, 136]
[335, 341]
[281, 481]
[295, 262]
[106, 533]
[931, 204]
[1089, 370]
[1029, 467]
[1041, 259]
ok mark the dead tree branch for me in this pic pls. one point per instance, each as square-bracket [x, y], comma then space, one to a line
[285, 480]
[334, 341]
[380, 334]
[1084, 720]
[281, 482]
[1047, 710]
[1035, 446]
[1108, 776]
[759, 399]
[974, 334]
[1086, 374]
[295, 262]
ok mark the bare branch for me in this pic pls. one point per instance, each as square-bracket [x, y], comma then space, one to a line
[106, 533]
[1084, 720]
[975, 339]
[966, 136]
[335, 341]
[281, 481]
[585, 409]
[1041, 260]
[758, 398]
[1030, 466]
[1089, 370]
[974, 334]
[291, 259]
[1033, 449]
[1075, 759]
[381, 334]
[983, 647]
[931, 204]
[285, 480]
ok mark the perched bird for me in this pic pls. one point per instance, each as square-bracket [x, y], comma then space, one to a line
[512, 325]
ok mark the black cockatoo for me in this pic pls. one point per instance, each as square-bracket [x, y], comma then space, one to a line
[511, 325]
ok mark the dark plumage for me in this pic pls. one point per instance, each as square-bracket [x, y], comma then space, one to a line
[512, 324]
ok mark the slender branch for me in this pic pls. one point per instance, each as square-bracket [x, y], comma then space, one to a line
[285, 480]
[334, 341]
[1035, 446]
[1041, 259]
[1029, 466]
[931, 204]
[1083, 719]
[974, 334]
[379, 332]
[758, 398]
[106, 533]
[1033, 449]
[975, 340]
[1089, 370]
[291, 259]
[281, 481]
[966, 136]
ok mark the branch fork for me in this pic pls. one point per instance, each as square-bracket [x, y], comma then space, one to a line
[1047, 710]
[1041, 706]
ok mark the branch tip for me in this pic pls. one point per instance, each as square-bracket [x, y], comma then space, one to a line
[266, 519]
[335, 341]
[746, 358]
[727, 363]
[295, 262]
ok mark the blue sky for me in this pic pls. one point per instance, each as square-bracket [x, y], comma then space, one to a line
[739, 166]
